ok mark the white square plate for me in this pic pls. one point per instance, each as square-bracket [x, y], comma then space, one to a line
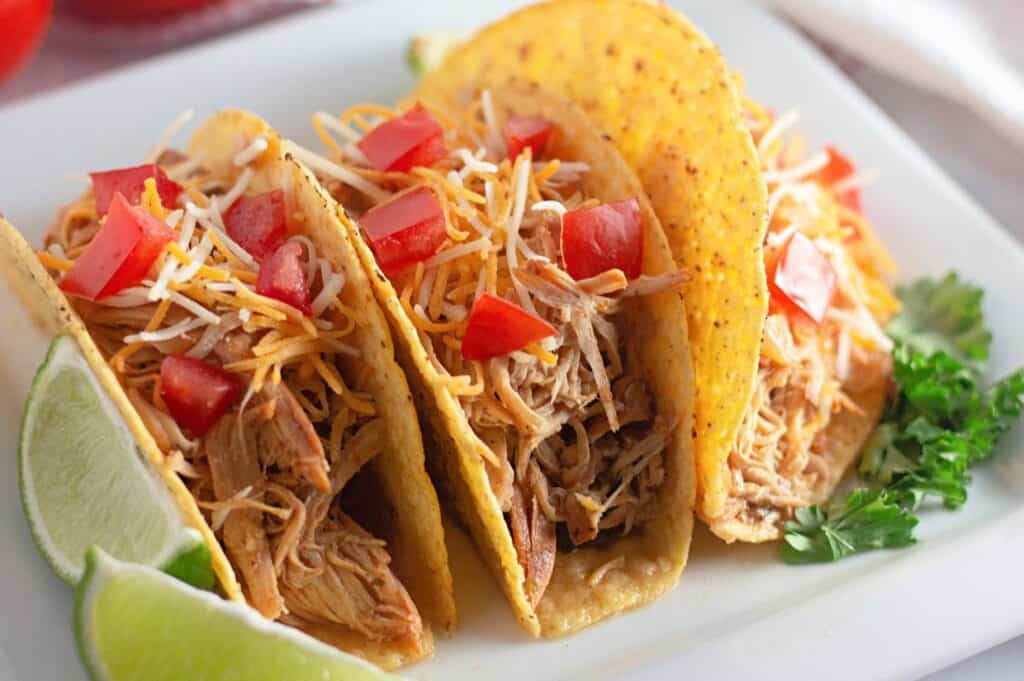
[739, 610]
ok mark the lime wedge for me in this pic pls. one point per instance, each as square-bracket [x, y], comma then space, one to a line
[84, 481]
[134, 623]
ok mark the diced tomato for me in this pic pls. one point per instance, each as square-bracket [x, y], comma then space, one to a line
[126, 246]
[836, 170]
[526, 131]
[283, 277]
[196, 393]
[405, 230]
[404, 142]
[603, 237]
[258, 223]
[131, 183]
[802, 280]
[498, 327]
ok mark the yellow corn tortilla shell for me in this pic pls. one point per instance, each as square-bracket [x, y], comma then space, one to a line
[409, 511]
[655, 554]
[664, 96]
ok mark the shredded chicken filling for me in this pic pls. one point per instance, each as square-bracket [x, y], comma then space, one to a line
[271, 472]
[779, 462]
[572, 430]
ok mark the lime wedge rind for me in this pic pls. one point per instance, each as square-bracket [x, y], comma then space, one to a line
[82, 478]
[135, 623]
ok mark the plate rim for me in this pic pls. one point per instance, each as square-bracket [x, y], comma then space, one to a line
[944, 553]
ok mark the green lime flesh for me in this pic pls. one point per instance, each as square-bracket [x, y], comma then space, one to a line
[134, 623]
[84, 481]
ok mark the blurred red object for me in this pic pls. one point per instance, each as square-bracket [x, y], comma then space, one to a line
[151, 25]
[127, 11]
[23, 23]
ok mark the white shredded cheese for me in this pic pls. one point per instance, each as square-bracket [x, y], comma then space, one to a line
[223, 202]
[489, 195]
[453, 312]
[251, 152]
[553, 206]
[174, 217]
[193, 307]
[458, 251]
[321, 165]
[472, 164]
[855, 181]
[495, 143]
[165, 334]
[224, 286]
[181, 171]
[481, 282]
[198, 255]
[229, 243]
[334, 124]
[865, 325]
[245, 314]
[777, 129]
[512, 229]
[777, 239]
[332, 284]
[179, 122]
[843, 355]
[133, 296]
[456, 179]
[798, 172]
[426, 286]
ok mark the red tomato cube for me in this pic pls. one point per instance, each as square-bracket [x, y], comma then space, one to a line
[282, 277]
[196, 393]
[604, 237]
[122, 252]
[839, 168]
[802, 280]
[131, 183]
[404, 142]
[526, 131]
[497, 327]
[405, 230]
[258, 223]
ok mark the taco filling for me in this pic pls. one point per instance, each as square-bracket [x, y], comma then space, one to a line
[515, 280]
[224, 326]
[823, 346]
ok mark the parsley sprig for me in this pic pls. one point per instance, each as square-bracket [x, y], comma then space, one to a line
[941, 423]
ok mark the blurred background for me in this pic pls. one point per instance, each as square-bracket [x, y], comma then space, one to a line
[949, 72]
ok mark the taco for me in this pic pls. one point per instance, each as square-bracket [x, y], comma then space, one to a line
[825, 362]
[220, 302]
[784, 399]
[538, 311]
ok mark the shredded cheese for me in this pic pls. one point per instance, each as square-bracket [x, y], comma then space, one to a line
[338, 172]
[799, 171]
[251, 152]
[166, 334]
[179, 122]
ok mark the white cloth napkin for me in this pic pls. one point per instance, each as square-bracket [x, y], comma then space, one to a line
[948, 47]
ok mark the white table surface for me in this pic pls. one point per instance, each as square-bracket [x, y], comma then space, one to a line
[976, 157]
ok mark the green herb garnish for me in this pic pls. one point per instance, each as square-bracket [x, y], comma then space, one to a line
[941, 423]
